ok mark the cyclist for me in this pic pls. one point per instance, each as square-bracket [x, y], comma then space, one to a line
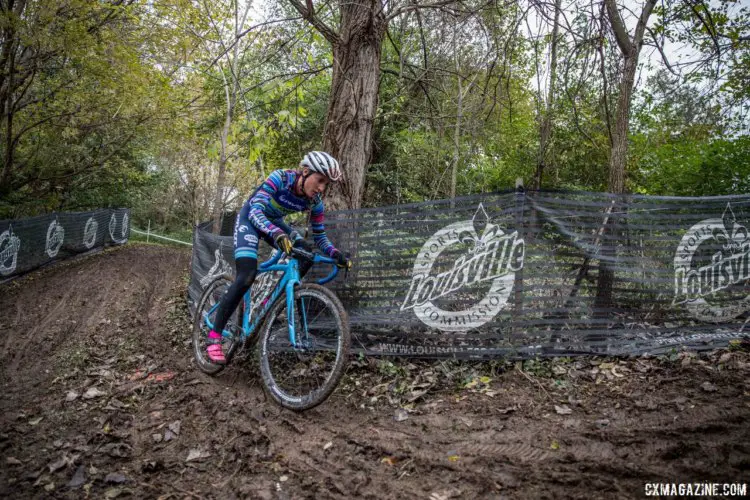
[284, 192]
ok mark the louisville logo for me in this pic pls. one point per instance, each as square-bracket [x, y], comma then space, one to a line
[483, 273]
[55, 237]
[10, 244]
[89, 232]
[122, 237]
[712, 268]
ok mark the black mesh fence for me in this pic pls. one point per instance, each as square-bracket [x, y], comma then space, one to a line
[27, 244]
[536, 273]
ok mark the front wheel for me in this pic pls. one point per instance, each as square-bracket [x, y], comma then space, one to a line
[302, 376]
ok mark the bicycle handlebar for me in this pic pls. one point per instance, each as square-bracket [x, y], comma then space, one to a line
[299, 252]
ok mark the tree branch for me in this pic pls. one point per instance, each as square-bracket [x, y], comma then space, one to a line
[309, 14]
[642, 23]
[618, 26]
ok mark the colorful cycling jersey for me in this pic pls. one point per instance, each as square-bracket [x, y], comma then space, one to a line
[275, 199]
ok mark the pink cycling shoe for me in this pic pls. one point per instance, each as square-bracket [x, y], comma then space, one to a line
[213, 349]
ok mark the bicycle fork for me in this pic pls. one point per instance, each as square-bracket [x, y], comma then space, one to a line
[292, 305]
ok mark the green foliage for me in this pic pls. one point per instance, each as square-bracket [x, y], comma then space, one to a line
[125, 105]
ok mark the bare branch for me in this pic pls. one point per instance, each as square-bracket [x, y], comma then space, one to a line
[309, 14]
[643, 22]
[618, 26]
[415, 6]
[660, 48]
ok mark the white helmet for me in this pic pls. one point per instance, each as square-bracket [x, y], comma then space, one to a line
[323, 163]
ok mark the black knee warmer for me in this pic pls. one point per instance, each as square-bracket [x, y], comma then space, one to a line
[246, 271]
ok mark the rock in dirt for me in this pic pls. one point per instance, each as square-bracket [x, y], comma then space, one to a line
[708, 387]
[71, 396]
[13, 461]
[78, 478]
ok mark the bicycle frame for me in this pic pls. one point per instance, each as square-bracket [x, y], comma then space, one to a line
[286, 284]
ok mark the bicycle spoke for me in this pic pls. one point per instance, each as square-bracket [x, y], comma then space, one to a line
[309, 370]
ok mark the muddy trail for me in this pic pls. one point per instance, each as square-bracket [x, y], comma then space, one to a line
[100, 399]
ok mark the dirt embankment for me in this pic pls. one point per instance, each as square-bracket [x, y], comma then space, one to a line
[100, 399]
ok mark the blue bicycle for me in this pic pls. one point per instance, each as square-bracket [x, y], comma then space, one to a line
[304, 339]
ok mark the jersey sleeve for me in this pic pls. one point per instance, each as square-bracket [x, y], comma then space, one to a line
[260, 201]
[317, 218]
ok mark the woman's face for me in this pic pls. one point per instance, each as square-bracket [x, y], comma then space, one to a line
[316, 183]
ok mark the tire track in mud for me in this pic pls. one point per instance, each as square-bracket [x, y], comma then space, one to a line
[448, 447]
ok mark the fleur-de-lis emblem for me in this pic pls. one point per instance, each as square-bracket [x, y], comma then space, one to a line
[732, 235]
[480, 225]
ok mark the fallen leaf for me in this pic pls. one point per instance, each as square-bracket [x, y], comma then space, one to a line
[563, 410]
[157, 438]
[113, 493]
[196, 454]
[79, 477]
[327, 445]
[400, 415]
[555, 445]
[115, 477]
[160, 377]
[71, 396]
[169, 435]
[13, 461]
[175, 427]
[55, 466]
[35, 421]
[284, 479]
[453, 456]
[389, 460]
[92, 393]
[49, 486]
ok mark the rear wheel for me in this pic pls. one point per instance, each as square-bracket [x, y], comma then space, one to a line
[205, 313]
[302, 376]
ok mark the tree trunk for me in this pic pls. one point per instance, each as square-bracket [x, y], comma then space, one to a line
[545, 130]
[354, 99]
[630, 50]
[220, 179]
[619, 154]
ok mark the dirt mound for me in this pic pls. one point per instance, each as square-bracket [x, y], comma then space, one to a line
[100, 399]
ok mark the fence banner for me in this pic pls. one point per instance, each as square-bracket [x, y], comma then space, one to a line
[536, 273]
[27, 244]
